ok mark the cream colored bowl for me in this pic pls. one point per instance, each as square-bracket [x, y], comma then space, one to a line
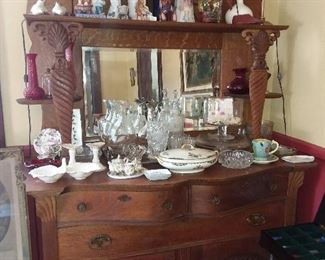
[187, 160]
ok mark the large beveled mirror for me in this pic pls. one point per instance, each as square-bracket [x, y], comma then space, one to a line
[130, 74]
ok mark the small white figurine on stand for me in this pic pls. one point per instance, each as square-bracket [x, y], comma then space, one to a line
[59, 9]
[95, 150]
[39, 8]
[113, 11]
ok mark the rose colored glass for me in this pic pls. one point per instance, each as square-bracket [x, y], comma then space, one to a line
[32, 91]
[239, 85]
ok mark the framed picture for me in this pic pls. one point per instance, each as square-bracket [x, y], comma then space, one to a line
[14, 235]
[200, 70]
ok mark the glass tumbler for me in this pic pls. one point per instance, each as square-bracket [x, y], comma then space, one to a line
[157, 137]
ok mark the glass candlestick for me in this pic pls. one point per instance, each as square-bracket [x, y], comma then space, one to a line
[95, 150]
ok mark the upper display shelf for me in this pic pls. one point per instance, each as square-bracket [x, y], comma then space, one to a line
[99, 23]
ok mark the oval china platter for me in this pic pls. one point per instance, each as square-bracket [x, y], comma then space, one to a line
[124, 176]
[298, 158]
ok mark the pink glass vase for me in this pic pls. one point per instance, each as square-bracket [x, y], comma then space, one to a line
[239, 85]
[32, 91]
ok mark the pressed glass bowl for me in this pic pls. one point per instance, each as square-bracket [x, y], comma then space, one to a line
[236, 159]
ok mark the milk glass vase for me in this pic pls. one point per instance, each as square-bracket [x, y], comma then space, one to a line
[238, 9]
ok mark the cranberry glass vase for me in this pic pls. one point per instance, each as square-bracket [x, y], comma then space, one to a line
[32, 91]
[239, 85]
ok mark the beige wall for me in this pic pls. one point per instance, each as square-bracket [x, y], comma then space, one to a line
[302, 61]
[11, 74]
[302, 57]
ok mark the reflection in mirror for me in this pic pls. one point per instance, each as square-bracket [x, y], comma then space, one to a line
[130, 74]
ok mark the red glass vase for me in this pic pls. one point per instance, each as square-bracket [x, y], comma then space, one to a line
[239, 85]
[32, 91]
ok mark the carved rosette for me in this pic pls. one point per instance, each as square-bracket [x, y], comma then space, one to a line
[60, 36]
[260, 41]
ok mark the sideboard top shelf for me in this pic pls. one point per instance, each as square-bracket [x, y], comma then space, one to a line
[153, 25]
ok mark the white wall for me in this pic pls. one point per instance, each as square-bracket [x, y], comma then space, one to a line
[302, 61]
[11, 74]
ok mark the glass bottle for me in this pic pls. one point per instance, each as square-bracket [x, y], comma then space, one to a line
[239, 85]
[46, 83]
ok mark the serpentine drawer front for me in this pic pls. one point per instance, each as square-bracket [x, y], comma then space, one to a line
[207, 199]
[110, 240]
[121, 206]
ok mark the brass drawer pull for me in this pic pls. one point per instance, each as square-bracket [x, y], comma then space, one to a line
[124, 198]
[273, 187]
[256, 219]
[82, 207]
[100, 241]
[167, 205]
[215, 200]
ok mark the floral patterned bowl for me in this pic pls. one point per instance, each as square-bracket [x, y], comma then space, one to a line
[48, 143]
[187, 160]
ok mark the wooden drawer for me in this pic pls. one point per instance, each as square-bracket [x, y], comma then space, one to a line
[121, 206]
[118, 241]
[241, 249]
[207, 199]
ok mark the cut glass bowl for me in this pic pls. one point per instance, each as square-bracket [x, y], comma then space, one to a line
[236, 159]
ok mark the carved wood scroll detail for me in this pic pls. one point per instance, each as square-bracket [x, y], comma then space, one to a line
[260, 41]
[60, 36]
[46, 209]
[296, 179]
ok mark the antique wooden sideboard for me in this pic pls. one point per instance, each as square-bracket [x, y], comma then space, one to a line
[217, 214]
[241, 45]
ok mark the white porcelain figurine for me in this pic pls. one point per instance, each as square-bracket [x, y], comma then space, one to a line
[39, 8]
[113, 12]
[59, 9]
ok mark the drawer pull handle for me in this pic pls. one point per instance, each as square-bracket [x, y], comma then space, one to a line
[273, 187]
[124, 198]
[215, 200]
[82, 207]
[256, 219]
[100, 241]
[167, 205]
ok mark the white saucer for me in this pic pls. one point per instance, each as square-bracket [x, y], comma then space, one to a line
[272, 158]
[298, 158]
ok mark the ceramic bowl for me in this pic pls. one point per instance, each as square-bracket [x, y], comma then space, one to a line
[49, 173]
[236, 159]
[187, 160]
[81, 170]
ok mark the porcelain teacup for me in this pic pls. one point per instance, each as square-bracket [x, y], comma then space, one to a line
[263, 148]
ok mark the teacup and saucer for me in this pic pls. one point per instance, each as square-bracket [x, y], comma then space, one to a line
[264, 150]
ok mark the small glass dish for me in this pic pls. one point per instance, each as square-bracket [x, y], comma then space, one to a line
[236, 159]
[157, 174]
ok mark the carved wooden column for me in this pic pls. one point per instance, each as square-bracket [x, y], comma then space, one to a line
[296, 179]
[260, 41]
[59, 36]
